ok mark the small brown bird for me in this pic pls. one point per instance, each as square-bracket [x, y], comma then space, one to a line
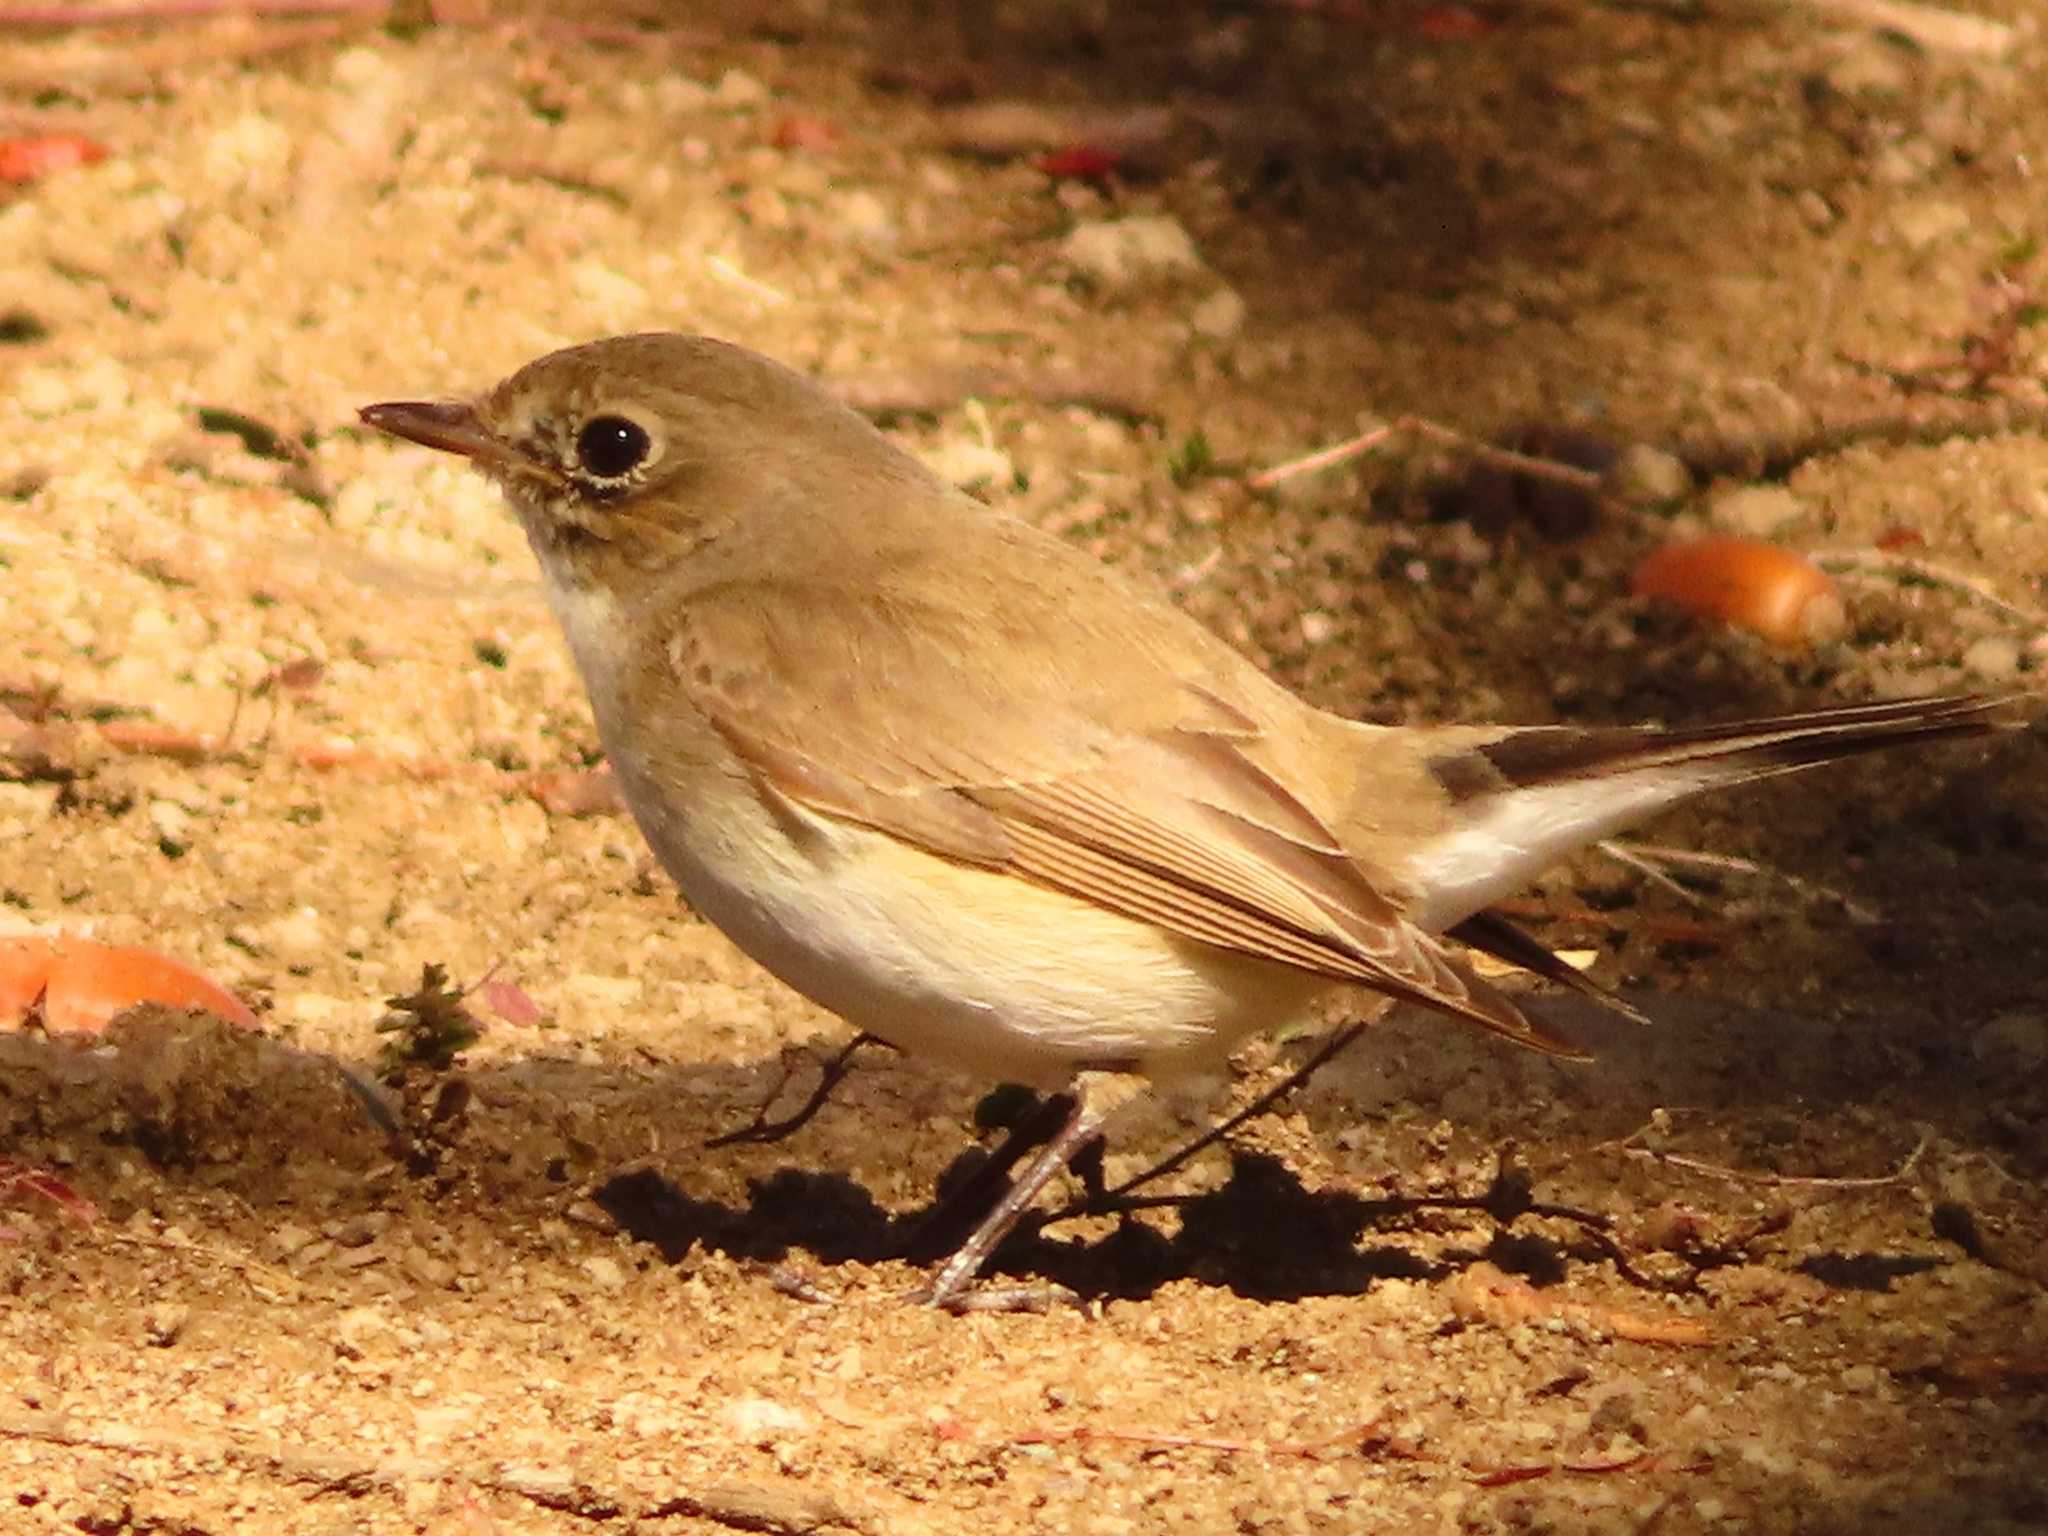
[992, 801]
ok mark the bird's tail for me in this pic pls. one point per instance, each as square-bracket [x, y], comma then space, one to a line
[1527, 797]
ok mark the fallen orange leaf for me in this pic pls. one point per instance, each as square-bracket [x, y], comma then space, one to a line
[79, 985]
[33, 158]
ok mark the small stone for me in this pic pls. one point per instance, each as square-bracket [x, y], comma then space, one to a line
[361, 1331]
[298, 935]
[1219, 316]
[1903, 162]
[759, 1420]
[2013, 1047]
[1994, 657]
[737, 88]
[859, 217]
[587, 989]
[678, 93]
[1756, 511]
[1646, 476]
[606, 288]
[286, 1239]
[164, 1321]
[1870, 66]
[1124, 253]
[251, 145]
[1818, 214]
[432, 1272]
[604, 1272]
[360, 67]
[966, 463]
[171, 822]
[1928, 220]
[1617, 1413]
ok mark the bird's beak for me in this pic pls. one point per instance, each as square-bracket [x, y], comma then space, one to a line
[453, 426]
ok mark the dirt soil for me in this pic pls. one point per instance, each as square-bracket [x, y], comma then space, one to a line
[279, 696]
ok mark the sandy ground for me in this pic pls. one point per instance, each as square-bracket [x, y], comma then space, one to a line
[1773, 1265]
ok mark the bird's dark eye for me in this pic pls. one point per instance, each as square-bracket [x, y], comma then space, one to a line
[611, 446]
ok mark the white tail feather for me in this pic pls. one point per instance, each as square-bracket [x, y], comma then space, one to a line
[1511, 838]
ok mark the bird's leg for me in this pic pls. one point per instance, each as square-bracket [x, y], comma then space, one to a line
[1097, 1095]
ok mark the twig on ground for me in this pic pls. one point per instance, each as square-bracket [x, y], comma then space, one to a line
[1648, 1461]
[737, 1506]
[785, 1281]
[20, 1179]
[1930, 26]
[1933, 422]
[1647, 856]
[1622, 853]
[1627, 1147]
[1895, 563]
[43, 737]
[885, 394]
[1362, 1438]
[1486, 1294]
[1420, 426]
[1332, 1043]
[58, 17]
[834, 1072]
[1366, 1439]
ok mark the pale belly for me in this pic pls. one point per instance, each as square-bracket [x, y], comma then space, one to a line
[982, 970]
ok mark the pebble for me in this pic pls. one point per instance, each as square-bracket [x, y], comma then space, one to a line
[737, 88]
[1927, 221]
[1870, 66]
[1126, 253]
[604, 1272]
[2013, 1047]
[286, 1239]
[424, 1267]
[298, 935]
[1903, 163]
[171, 822]
[1647, 476]
[250, 146]
[1219, 316]
[859, 217]
[759, 1420]
[678, 93]
[964, 462]
[1995, 657]
[1756, 511]
[587, 989]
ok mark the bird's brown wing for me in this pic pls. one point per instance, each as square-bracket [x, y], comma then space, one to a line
[1145, 786]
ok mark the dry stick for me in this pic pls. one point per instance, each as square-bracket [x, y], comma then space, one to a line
[1622, 853]
[1930, 26]
[135, 69]
[178, 10]
[1360, 1436]
[1891, 563]
[1774, 458]
[1422, 426]
[1334, 1042]
[1645, 856]
[834, 1071]
[736, 1506]
[1777, 1180]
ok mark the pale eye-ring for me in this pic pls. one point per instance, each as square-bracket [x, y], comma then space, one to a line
[610, 447]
